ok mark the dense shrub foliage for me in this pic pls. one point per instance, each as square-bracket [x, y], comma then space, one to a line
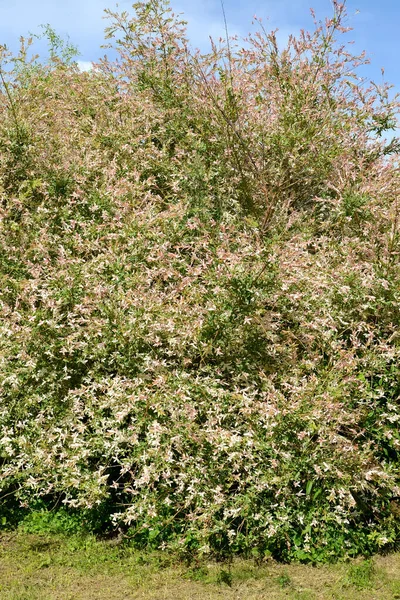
[200, 291]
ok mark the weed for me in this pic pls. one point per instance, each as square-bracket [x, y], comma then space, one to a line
[225, 577]
[361, 575]
[284, 580]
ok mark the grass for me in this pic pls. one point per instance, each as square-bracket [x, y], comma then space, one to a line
[34, 567]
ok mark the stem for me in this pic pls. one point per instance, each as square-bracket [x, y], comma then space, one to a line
[12, 105]
[228, 43]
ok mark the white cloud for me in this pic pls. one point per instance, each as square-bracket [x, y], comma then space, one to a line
[85, 65]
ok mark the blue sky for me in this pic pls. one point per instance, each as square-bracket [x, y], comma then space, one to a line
[376, 25]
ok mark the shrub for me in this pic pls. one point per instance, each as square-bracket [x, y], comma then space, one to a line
[200, 292]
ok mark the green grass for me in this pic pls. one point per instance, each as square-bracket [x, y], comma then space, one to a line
[51, 567]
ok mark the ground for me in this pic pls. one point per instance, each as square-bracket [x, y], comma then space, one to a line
[37, 567]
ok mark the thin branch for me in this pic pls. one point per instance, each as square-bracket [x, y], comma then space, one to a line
[228, 43]
[12, 104]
